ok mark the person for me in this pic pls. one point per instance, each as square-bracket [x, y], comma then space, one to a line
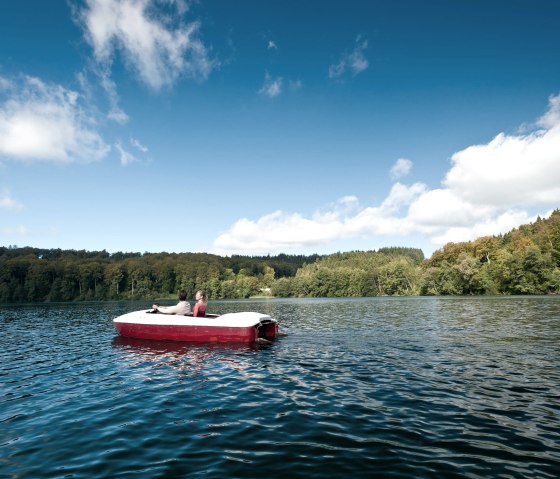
[200, 305]
[182, 307]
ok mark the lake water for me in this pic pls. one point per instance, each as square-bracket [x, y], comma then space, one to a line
[399, 387]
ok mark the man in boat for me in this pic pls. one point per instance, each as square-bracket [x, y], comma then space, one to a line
[182, 307]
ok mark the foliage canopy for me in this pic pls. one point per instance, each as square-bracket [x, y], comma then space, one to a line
[526, 260]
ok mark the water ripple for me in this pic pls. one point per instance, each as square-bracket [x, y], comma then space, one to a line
[409, 388]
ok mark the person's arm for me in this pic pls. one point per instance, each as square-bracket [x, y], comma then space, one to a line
[183, 307]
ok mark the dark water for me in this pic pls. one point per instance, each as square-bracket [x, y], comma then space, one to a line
[413, 387]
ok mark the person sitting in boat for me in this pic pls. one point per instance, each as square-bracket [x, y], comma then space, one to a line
[200, 305]
[182, 307]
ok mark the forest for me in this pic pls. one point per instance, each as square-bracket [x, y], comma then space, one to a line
[525, 260]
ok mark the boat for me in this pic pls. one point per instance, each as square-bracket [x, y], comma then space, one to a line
[244, 327]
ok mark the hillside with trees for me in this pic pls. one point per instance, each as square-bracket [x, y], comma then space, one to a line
[524, 261]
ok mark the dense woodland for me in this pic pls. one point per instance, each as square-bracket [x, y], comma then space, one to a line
[524, 261]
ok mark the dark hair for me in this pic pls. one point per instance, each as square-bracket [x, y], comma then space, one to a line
[182, 295]
[203, 294]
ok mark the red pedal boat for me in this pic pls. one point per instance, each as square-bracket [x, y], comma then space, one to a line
[231, 327]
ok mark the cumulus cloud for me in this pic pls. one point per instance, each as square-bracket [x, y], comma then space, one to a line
[551, 119]
[509, 171]
[400, 169]
[486, 226]
[272, 87]
[353, 62]
[489, 189]
[156, 45]
[42, 122]
[280, 230]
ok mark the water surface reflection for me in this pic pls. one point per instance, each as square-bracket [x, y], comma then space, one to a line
[404, 387]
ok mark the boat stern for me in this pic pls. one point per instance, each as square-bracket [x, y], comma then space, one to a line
[267, 328]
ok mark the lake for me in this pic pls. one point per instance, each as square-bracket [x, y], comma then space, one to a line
[373, 387]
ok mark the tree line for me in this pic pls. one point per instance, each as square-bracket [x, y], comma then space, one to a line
[37, 275]
[526, 260]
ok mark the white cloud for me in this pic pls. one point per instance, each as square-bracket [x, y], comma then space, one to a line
[401, 168]
[348, 203]
[139, 146]
[115, 113]
[7, 202]
[489, 226]
[272, 87]
[353, 62]
[272, 45]
[158, 47]
[488, 190]
[551, 118]
[15, 231]
[442, 206]
[5, 84]
[279, 230]
[41, 122]
[126, 157]
[295, 85]
[509, 171]
[401, 196]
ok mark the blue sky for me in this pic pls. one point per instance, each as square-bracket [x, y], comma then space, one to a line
[265, 127]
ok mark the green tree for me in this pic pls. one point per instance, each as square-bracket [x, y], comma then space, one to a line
[282, 288]
[467, 269]
[115, 278]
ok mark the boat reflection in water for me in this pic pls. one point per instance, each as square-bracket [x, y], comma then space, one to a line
[149, 347]
[183, 355]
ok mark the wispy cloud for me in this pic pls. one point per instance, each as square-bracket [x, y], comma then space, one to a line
[5, 84]
[43, 122]
[7, 202]
[353, 62]
[116, 113]
[139, 146]
[155, 44]
[272, 87]
[295, 85]
[126, 157]
[488, 190]
[15, 231]
[272, 45]
[400, 169]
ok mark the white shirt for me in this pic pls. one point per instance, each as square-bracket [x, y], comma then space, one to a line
[182, 307]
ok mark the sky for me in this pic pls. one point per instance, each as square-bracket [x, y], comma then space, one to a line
[260, 127]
